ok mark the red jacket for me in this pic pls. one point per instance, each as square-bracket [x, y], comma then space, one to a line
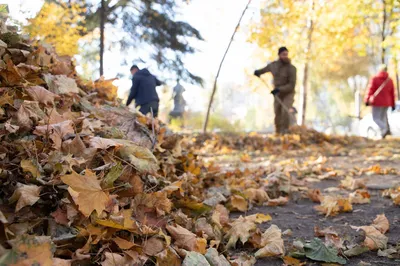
[386, 97]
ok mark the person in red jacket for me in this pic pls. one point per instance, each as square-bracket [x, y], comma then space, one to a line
[380, 95]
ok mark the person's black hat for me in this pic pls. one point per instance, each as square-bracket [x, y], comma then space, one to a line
[282, 49]
[134, 67]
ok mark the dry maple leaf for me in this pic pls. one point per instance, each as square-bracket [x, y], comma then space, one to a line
[331, 206]
[29, 114]
[278, 202]
[256, 195]
[30, 167]
[220, 215]
[25, 195]
[272, 243]
[56, 132]
[123, 243]
[114, 259]
[61, 84]
[75, 146]
[11, 75]
[241, 229]
[374, 239]
[290, 261]
[153, 246]
[168, 257]
[352, 184]
[381, 223]
[102, 143]
[186, 239]
[239, 203]
[360, 197]
[142, 158]
[41, 95]
[259, 218]
[86, 192]
[315, 195]
[157, 201]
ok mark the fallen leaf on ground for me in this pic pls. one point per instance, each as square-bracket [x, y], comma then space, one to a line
[374, 239]
[331, 206]
[41, 95]
[244, 260]
[360, 197]
[115, 259]
[278, 202]
[256, 195]
[30, 250]
[26, 195]
[220, 215]
[290, 261]
[241, 229]
[29, 167]
[315, 195]
[186, 239]
[239, 203]
[352, 184]
[316, 250]
[56, 132]
[194, 258]
[215, 259]
[123, 243]
[381, 223]
[259, 218]
[168, 257]
[140, 157]
[272, 243]
[86, 192]
[153, 246]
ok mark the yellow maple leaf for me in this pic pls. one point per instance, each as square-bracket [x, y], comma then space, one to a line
[86, 192]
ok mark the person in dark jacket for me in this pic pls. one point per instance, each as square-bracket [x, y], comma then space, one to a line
[143, 91]
[380, 95]
[284, 74]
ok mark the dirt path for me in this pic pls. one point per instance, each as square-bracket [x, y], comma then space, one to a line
[299, 215]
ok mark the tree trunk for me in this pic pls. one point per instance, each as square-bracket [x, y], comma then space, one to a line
[102, 26]
[219, 69]
[304, 87]
[385, 16]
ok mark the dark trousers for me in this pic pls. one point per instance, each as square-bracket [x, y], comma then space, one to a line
[148, 107]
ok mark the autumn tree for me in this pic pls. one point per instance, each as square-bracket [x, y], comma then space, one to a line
[145, 23]
[316, 37]
[59, 26]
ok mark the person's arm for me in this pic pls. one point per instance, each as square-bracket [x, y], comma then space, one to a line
[134, 89]
[370, 90]
[158, 82]
[289, 87]
[264, 70]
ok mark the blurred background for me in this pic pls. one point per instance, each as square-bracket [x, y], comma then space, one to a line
[336, 46]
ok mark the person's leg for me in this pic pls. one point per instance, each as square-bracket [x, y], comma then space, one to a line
[385, 120]
[277, 110]
[379, 115]
[288, 102]
[154, 108]
[145, 108]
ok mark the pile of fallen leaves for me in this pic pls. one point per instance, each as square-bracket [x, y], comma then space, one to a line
[299, 138]
[85, 181]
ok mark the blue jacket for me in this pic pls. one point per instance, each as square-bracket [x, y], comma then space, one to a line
[143, 88]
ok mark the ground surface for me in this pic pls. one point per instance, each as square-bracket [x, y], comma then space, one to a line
[299, 215]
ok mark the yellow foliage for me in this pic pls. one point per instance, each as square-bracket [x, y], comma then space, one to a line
[58, 26]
